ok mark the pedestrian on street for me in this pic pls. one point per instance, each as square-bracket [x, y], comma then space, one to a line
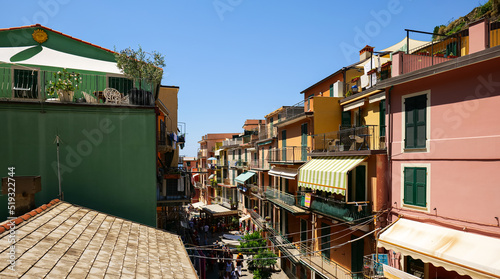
[239, 263]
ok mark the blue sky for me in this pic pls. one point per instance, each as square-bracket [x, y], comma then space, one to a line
[238, 59]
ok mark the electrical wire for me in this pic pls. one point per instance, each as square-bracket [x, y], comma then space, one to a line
[338, 224]
[289, 256]
[287, 244]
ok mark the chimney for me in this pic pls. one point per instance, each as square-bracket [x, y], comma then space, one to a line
[479, 32]
[365, 53]
[24, 189]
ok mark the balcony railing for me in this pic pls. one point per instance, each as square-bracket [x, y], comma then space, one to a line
[31, 84]
[283, 197]
[350, 212]
[292, 112]
[267, 132]
[228, 203]
[232, 142]
[289, 154]
[358, 138]
[258, 220]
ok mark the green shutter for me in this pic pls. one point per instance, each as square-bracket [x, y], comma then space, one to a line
[420, 186]
[408, 186]
[331, 90]
[382, 118]
[415, 122]
[346, 119]
[415, 186]
[325, 240]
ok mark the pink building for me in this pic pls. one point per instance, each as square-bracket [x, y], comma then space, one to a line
[444, 164]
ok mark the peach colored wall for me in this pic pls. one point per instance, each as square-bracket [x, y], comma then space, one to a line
[293, 136]
[323, 87]
[464, 149]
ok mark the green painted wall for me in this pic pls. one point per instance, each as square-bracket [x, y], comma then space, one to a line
[23, 37]
[107, 155]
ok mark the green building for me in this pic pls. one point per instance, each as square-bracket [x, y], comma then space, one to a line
[107, 151]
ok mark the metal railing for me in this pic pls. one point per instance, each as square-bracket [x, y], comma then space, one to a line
[267, 132]
[275, 194]
[292, 112]
[289, 154]
[349, 212]
[350, 139]
[324, 264]
[232, 142]
[32, 84]
[443, 49]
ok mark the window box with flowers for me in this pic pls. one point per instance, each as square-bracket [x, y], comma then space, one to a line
[64, 85]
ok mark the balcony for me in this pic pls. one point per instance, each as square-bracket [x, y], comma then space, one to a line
[258, 192]
[291, 112]
[228, 203]
[257, 219]
[285, 200]
[232, 142]
[351, 139]
[349, 212]
[289, 154]
[267, 132]
[325, 265]
[27, 84]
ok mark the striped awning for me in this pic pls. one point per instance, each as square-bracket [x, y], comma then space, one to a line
[242, 178]
[328, 173]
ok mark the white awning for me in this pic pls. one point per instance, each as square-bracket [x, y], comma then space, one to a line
[218, 210]
[353, 105]
[283, 172]
[377, 97]
[244, 218]
[54, 58]
[466, 253]
[198, 205]
[211, 176]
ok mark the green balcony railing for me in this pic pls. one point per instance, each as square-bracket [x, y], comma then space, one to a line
[281, 196]
[350, 212]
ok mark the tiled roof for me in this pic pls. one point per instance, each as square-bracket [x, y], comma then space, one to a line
[60, 240]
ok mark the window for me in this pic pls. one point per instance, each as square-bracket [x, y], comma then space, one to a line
[25, 84]
[123, 85]
[415, 121]
[415, 186]
[283, 145]
[331, 90]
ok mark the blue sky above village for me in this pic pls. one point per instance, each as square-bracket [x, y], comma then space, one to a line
[239, 59]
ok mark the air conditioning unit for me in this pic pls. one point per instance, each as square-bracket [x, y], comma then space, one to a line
[338, 89]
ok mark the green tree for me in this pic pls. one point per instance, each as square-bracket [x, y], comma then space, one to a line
[262, 259]
[140, 65]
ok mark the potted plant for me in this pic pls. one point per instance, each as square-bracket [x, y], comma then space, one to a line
[64, 85]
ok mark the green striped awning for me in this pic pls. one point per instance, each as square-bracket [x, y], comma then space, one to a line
[242, 178]
[328, 173]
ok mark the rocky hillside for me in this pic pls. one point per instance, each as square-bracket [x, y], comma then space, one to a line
[488, 10]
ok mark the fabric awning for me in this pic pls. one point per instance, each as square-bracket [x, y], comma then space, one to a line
[264, 142]
[283, 172]
[218, 210]
[211, 176]
[377, 97]
[464, 252]
[244, 218]
[198, 205]
[242, 178]
[354, 105]
[212, 159]
[328, 173]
